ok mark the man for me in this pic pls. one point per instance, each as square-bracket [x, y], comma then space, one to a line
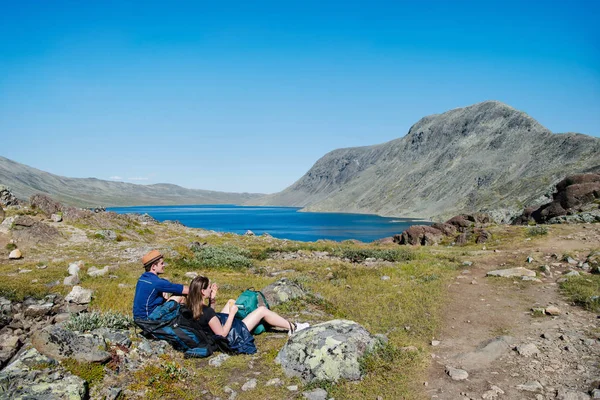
[152, 300]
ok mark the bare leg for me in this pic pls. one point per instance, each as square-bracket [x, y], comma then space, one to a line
[225, 309]
[269, 316]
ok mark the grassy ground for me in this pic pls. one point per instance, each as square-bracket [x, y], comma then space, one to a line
[406, 307]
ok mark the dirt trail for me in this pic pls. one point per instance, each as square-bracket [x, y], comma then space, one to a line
[487, 318]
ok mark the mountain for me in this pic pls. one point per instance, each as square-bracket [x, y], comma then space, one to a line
[485, 157]
[25, 181]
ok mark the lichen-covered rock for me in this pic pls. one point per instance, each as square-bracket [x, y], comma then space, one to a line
[329, 351]
[26, 378]
[59, 343]
[282, 291]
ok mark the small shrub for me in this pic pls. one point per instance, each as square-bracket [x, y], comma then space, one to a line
[11, 246]
[217, 257]
[89, 372]
[360, 255]
[89, 321]
[538, 230]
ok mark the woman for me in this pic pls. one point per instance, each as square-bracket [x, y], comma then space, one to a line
[224, 323]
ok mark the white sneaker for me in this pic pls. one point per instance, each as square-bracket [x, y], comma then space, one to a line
[301, 326]
[297, 327]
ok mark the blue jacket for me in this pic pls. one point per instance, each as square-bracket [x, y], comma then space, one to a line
[148, 294]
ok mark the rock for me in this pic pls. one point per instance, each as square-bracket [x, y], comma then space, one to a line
[274, 382]
[38, 310]
[486, 353]
[95, 272]
[191, 275]
[56, 217]
[564, 394]
[527, 350]
[79, 295]
[328, 351]
[24, 379]
[596, 394]
[569, 274]
[532, 386]
[113, 336]
[59, 343]
[492, 393]
[15, 254]
[75, 267]
[511, 272]
[529, 260]
[467, 263]
[457, 374]
[9, 345]
[106, 234]
[292, 388]
[571, 261]
[26, 230]
[71, 280]
[552, 310]
[45, 204]
[6, 225]
[435, 342]
[385, 278]
[482, 236]
[249, 233]
[7, 198]
[419, 235]
[281, 291]
[249, 385]
[316, 394]
[531, 279]
[218, 360]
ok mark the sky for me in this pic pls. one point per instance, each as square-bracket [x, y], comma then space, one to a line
[245, 96]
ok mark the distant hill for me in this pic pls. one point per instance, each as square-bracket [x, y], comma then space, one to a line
[25, 181]
[485, 157]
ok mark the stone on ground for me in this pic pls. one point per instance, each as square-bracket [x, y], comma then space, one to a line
[79, 295]
[511, 272]
[456, 373]
[281, 291]
[58, 343]
[15, 254]
[329, 351]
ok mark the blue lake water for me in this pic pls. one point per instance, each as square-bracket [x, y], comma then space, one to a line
[279, 222]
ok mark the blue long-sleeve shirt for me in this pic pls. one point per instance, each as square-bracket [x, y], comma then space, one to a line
[149, 294]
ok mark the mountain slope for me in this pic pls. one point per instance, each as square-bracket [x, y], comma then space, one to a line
[487, 156]
[25, 181]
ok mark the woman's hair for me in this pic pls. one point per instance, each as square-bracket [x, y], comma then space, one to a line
[194, 298]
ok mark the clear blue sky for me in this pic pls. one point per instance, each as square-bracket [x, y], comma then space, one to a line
[246, 96]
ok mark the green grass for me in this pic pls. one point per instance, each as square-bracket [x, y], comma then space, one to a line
[538, 230]
[584, 291]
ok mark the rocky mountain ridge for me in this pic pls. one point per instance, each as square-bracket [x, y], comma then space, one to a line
[25, 181]
[485, 157]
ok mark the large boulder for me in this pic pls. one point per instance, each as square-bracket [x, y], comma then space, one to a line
[34, 376]
[7, 198]
[59, 343]
[419, 235]
[329, 351]
[29, 231]
[45, 204]
[282, 291]
[574, 194]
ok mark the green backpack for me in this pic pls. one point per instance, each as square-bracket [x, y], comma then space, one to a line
[249, 301]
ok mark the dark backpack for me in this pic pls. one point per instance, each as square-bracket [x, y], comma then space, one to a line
[181, 333]
[249, 301]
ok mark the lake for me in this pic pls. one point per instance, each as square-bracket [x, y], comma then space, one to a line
[279, 222]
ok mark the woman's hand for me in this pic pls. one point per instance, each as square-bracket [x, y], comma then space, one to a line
[233, 309]
[213, 291]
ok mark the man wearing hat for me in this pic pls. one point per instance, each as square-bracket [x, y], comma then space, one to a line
[150, 300]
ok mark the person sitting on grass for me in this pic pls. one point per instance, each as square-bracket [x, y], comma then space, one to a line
[224, 323]
[154, 297]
